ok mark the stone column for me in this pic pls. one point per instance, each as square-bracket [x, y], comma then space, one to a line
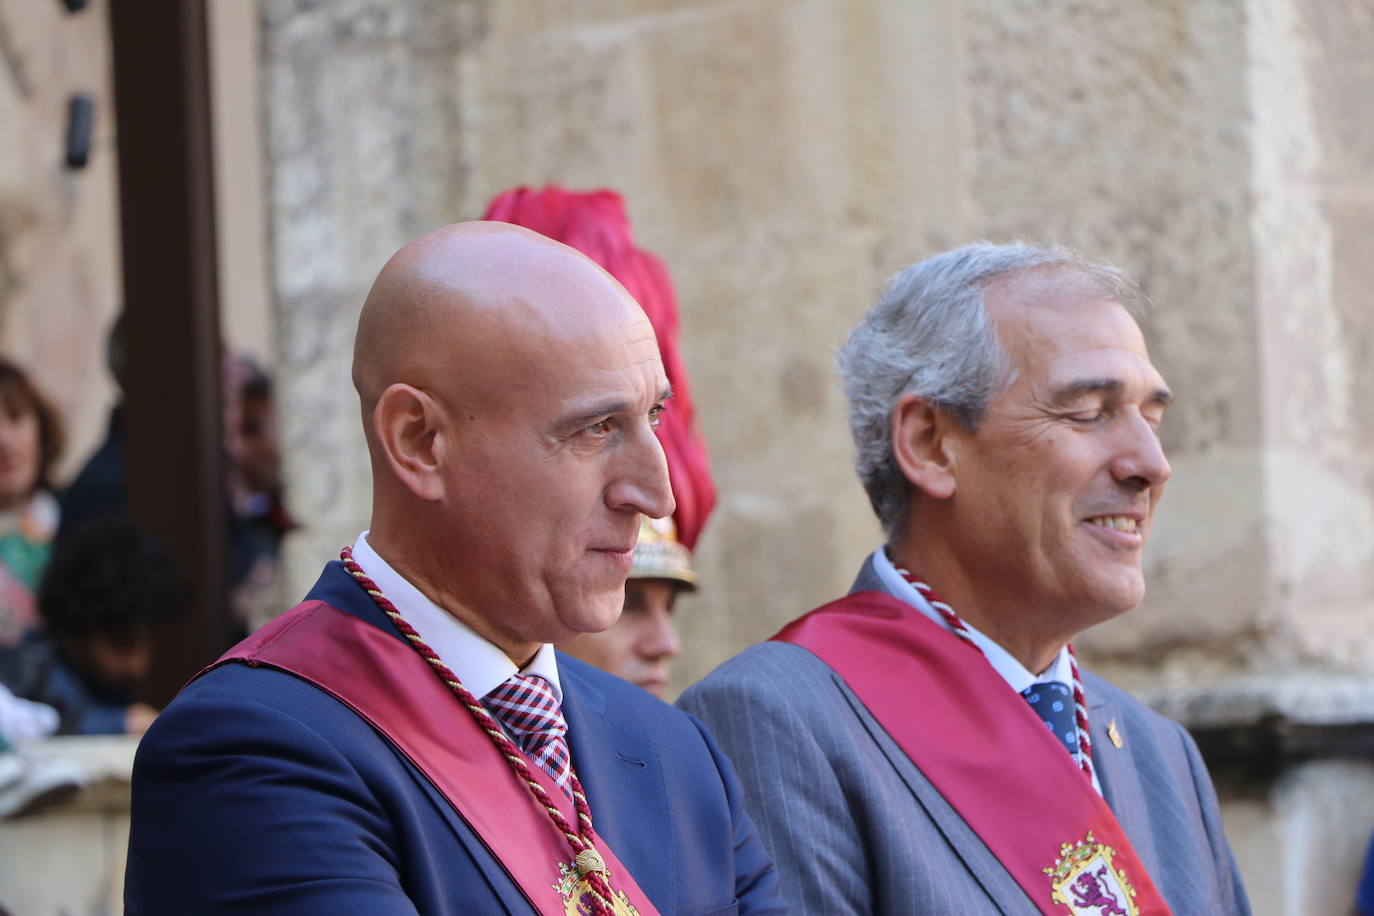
[364, 154]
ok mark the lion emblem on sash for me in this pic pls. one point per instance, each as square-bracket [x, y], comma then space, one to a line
[1087, 882]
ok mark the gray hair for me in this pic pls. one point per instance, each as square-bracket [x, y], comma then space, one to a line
[930, 335]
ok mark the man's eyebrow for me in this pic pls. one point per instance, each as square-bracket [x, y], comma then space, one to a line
[1071, 392]
[1112, 387]
[606, 409]
[1162, 396]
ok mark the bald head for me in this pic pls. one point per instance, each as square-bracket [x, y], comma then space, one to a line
[465, 295]
[510, 389]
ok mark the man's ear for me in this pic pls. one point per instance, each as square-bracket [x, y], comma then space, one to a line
[921, 436]
[408, 426]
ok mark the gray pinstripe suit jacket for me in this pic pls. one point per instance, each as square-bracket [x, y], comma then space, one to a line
[856, 828]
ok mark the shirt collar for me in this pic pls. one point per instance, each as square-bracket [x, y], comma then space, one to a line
[480, 665]
[1002, 661]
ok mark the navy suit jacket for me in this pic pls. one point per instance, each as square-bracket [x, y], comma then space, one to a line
[256, 792]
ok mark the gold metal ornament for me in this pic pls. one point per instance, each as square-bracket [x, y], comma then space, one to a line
[588, 861]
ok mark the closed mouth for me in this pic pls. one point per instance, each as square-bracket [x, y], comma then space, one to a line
[655, 684]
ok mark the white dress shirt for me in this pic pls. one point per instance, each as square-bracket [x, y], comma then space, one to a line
[1017, 676]
[480, 665]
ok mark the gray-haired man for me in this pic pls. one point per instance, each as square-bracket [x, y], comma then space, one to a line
[893, 744]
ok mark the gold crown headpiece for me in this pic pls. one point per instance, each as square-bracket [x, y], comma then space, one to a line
[660, 555]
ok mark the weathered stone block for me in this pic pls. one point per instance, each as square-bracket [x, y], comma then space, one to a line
[1301, 845]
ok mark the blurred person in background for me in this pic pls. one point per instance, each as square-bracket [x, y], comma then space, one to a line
[100, 488]
[258, 517]
[642, 643]
[30, 442]
[255, 516]
[108, 586]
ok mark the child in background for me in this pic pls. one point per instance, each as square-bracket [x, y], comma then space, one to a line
[108, 585]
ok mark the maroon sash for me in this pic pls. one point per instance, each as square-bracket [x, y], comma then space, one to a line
[985, 750]
[390, 686]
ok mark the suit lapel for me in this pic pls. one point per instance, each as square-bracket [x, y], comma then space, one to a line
[619, 769]
[336, 588]
[982, 865]
[1116, 772]
[622, 775]
[1119, 776]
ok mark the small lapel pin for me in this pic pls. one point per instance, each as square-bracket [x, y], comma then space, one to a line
[1114, 734]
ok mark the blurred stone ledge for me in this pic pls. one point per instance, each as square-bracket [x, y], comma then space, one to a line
[1251, 730]
[107, 762]
[67, 859]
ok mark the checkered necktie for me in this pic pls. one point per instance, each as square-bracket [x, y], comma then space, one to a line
[1053, 703]
[526, 706]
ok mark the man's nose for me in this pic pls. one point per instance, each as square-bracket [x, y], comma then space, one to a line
[659, 638]
[642, 485]
[1141, 462]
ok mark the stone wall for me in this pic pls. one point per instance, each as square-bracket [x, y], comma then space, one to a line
[59, 227]
[1312, 182]
[785, 157]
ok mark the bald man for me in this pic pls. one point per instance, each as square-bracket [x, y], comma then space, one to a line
[407, 740]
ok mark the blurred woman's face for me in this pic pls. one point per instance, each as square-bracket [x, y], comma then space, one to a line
[19, 453]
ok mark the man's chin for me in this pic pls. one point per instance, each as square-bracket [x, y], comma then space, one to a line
[655, 684]
[593, 617]
[1117, 596]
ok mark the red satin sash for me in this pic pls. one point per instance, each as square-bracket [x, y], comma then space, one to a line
[985, 751]
[390, 686]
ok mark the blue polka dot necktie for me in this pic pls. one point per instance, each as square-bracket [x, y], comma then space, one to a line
[1053, 703]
